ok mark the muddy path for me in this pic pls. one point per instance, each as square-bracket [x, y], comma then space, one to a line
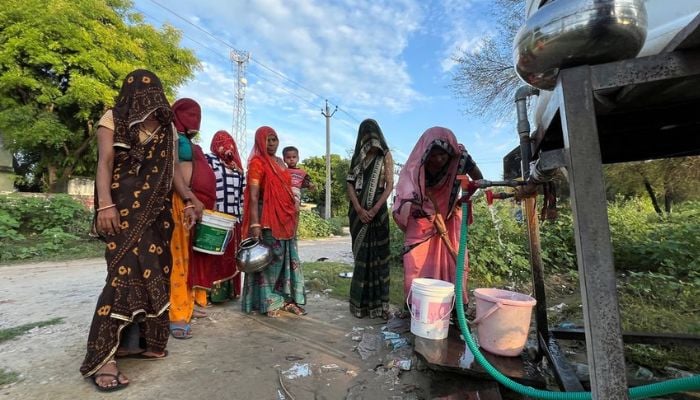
[231, 356]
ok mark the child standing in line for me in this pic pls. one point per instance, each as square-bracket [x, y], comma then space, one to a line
[300, 179]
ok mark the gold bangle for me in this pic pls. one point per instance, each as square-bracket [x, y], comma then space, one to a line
[105, 207]
[186, 207]
[254, 226]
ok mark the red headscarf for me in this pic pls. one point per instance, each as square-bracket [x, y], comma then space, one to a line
[224, 147]
[188, 115]
[278, 206]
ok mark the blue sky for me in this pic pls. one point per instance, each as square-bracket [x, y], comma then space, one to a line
[387, 60]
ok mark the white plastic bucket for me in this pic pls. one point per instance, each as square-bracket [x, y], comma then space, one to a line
[430, 302]
[503, 319]
[213, 233]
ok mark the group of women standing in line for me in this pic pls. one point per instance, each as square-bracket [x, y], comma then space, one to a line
[151, 187]
[153, 183]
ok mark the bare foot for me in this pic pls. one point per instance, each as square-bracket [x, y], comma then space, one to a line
[109, 377]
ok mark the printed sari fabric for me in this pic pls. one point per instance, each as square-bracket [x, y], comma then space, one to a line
[419, 197]
[187, 115]
[369, 289]
[283, 281]
[138, 258]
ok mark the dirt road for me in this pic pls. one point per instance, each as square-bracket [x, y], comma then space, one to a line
[232, 355]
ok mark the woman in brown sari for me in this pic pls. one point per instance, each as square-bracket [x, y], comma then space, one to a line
[135, 175]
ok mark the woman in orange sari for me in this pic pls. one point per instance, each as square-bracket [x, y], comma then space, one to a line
[270, 215]
[428, 190]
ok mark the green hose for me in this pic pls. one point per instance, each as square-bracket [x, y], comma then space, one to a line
[691, 383]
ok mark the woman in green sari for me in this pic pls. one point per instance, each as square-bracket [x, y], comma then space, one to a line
[369, 184]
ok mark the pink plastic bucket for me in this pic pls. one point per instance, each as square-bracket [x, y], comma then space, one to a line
[430, 302]
[503, 319]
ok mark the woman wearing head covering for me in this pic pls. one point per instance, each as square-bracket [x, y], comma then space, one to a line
[426, 209]
[270, 215]
[135, 176]
[225, 161]
[187, 116]
[369, 183]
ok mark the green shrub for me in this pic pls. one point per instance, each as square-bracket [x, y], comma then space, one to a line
[44, 227]
[311, 225]
[337, 223]
[395, 243]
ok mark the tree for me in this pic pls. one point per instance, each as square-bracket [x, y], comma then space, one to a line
[61, 66]
[316, 168]
[485, 77]
[665, 181]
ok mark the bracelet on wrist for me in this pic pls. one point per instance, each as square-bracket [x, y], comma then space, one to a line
[105, 207]
[190, 206]
[254, 226]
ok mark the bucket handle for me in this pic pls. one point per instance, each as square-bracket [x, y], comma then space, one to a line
[413, 316]
[488, 313]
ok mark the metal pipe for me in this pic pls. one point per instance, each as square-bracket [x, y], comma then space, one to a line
[521, 96]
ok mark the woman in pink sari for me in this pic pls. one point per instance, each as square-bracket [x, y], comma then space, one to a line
[426, 195]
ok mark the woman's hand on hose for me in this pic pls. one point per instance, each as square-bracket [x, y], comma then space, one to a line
[108, 222]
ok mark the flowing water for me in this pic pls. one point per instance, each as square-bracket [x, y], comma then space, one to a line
[496, 224]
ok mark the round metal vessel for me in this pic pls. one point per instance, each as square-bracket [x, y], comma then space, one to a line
[253, 256]
[567, 33]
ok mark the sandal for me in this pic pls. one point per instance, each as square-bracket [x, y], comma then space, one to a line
[294, 309]
[115, 379]
[199, 314]
[180, 331]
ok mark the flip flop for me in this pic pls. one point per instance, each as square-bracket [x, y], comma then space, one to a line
[118, 386]
[199, 314]
[180, 331]
[142, 356]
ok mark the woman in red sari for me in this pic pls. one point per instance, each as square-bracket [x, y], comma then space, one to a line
[427, 190]
[270, 215]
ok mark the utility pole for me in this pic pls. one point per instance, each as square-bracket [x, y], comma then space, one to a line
[328, 115]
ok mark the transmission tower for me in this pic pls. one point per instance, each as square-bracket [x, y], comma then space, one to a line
[240, 60]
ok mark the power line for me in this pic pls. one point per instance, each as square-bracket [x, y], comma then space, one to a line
[232, 47]
[217, 53]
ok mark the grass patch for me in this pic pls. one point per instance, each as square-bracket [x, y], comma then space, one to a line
[7, 377]
[41, 249]
[324, 275]
[11, 333]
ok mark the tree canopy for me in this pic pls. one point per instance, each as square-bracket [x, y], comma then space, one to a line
[62, 63]
[316, 168]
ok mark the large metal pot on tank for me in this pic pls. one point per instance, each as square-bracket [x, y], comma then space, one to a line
[567, 33]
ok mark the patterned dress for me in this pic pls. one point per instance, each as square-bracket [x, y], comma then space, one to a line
[138, 258]
[369, 289]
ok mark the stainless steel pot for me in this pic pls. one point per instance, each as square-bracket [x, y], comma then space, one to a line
[253, 256]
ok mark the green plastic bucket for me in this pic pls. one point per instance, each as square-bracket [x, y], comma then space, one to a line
[213, 233]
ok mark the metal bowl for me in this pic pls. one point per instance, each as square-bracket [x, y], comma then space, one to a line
[253, 256]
